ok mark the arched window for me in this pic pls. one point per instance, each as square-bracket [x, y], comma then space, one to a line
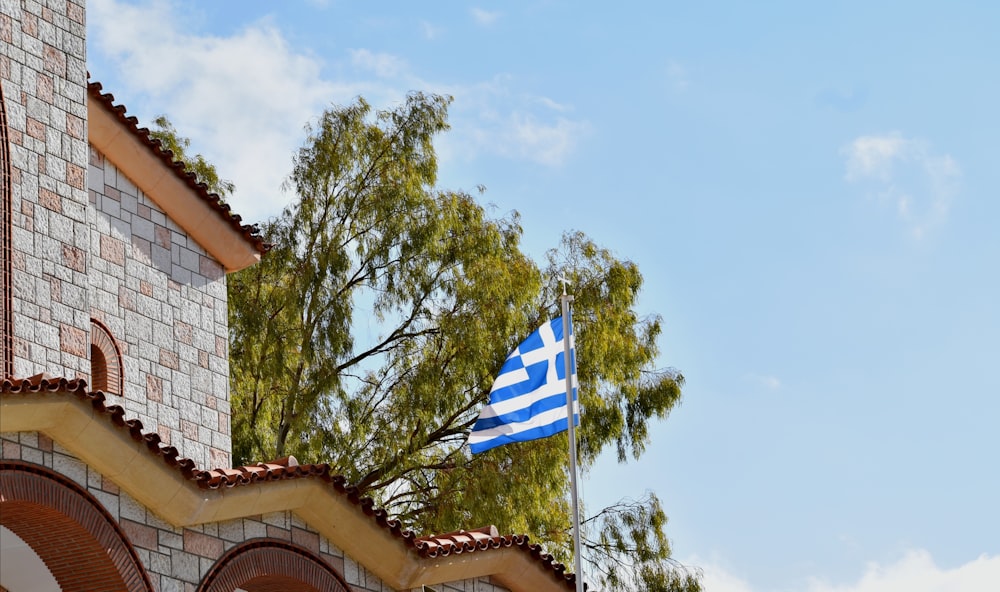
[105, 361]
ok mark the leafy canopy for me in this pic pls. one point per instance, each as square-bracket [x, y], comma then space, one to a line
[370, 335]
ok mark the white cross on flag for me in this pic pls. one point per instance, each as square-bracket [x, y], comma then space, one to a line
[528, 398]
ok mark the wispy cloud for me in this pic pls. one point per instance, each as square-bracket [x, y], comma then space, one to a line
[247, 90]
[916, 571]
[920, 184]
[544, 143]
[254, 91]
[493, 121]
[766, 381]
[430, 31]
[845, 101]
[383, 65]
[677, 75]
[519, 135]
[554, 105]
[873, 156]
[485, 17]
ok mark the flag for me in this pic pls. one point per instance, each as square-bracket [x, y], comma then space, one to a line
[528, 398]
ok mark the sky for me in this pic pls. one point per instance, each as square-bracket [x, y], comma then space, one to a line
[809, 189]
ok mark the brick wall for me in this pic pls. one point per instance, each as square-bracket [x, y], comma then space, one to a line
[43, 71]
[163, 299]
[177, 559]
[108, 253]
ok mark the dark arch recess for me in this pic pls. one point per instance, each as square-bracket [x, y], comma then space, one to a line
[105, 360]
[69, 529]
[272, 565]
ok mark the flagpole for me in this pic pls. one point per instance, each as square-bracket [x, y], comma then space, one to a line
[567, 323]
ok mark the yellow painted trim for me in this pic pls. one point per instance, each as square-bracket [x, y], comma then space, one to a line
[162, 185]
[110, 450]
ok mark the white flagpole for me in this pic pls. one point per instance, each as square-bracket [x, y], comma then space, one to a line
[567, 323]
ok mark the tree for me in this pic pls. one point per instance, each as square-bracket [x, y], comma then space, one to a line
[370, 334]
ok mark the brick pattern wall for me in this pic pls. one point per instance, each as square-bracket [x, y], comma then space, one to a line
[43, 71]
[177, 559]
[163, 298]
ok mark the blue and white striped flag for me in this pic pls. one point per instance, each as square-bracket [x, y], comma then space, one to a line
[528, 398]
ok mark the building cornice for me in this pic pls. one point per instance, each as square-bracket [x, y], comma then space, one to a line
[203, 215]
[183, 495]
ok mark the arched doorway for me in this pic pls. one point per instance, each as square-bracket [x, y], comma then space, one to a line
[271, 565]
[75, 537]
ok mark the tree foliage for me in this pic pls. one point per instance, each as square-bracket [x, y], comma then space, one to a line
[370, 335]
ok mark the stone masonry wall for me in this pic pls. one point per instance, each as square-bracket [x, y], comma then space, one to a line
[43, 72]
[177, 559]
[163, 298]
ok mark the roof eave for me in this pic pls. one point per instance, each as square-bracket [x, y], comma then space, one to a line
[229, 246]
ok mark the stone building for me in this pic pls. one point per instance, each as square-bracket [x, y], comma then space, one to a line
[113, 358]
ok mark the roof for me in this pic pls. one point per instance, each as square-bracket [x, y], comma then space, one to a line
[482, 551]
[188, 202]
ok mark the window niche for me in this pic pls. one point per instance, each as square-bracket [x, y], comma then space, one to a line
[105, 361]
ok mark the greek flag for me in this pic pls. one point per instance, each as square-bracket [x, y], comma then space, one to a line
[528, 398]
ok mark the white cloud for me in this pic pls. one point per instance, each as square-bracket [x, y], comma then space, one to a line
[554, 105]
[766, 381]
[678, 76]
[521, 136]
[244, 98]
[484, 17]
[716, 579]
[489, 120]
[383, 65]
[430, 31]
[920, 184]
[873, 156]
[916, 571]
[544, 143]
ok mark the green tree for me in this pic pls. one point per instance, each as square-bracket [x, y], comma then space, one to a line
[370, 335]
[206, 173]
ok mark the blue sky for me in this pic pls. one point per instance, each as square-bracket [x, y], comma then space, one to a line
[811, 193]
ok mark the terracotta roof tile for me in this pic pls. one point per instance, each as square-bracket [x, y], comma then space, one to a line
[250, 232]
[485, 539]
[460, 541]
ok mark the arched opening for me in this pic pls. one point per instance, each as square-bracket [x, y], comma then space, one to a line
[105, 361]
[98, 369]
[75, 537]
[22, 568]
[270, 565]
